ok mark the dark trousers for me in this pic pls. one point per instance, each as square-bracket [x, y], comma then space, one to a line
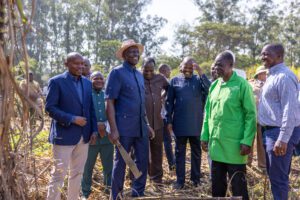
[155, 165]
[278, 167]
[168, 146]
[141, 153]
[180, 154]
[219, 179]
[106, 152]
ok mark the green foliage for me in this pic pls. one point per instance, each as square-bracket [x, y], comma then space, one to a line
[175, 72]
[205, 66]
[210, 38]
[92, 27]
[227, 24]
[101, 68]
[96, 28]
[33, 66]
[107, 53]
[221, 11]
[172, 61]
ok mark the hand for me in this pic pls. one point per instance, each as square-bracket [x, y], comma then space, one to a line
[93, 139]
[197, 68]
[280, 148]
[245, 149]
[204, 146]
[80, 121]
[151, 133]
[114, 136]
[101, 129]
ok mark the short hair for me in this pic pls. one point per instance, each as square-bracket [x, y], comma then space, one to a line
[186, 60]
[163, 67]
[148, 60]
[96, 73]
[72, 55]
[228, 56]
[277, 48]
[86, 60]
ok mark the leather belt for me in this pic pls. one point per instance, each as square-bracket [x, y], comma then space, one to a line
[269, 127]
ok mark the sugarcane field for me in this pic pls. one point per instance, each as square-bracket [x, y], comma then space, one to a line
[150, 99]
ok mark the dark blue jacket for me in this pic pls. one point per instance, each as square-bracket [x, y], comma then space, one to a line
[185, 102]
[63, 104]
[125, 84]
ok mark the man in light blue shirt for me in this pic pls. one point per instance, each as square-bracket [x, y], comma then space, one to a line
[279, 115]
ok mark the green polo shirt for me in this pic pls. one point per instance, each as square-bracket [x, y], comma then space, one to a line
[99, 106]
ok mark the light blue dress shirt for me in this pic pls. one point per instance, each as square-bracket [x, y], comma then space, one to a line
[279, 103]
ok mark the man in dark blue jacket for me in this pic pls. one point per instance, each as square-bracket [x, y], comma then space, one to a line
[69, 104]
[184, 105]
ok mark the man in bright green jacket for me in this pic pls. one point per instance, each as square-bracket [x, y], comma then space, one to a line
[229, 127]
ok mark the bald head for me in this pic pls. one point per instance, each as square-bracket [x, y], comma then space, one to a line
[87, 62]
[74, 63]
[276, 48]
[148, 60]
[272, 54]
[186, 66]
[228, 56]
[87, 67]
[72, 56]
[165, 70]
[98, 80]
[188, 60]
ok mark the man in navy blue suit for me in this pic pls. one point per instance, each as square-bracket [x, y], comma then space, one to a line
[69, 104]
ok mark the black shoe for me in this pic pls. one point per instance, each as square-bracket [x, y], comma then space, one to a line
[196, 184]
[172, 168]
[178, 186]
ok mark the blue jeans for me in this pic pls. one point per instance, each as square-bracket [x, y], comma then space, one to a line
[141, 153]
[278, 167]
[195, 158]
[168, 146]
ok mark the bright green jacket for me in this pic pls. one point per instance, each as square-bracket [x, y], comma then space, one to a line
[230, 119]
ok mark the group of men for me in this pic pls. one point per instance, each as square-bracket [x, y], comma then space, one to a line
[142, 110]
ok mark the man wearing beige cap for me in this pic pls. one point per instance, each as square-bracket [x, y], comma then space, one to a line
[257, 83]
[125, 100]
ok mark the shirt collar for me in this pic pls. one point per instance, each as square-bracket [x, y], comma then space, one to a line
[275, 68]
[129, 66]
[182, 76]
[232, 77]
[73, 78]
[97, 91]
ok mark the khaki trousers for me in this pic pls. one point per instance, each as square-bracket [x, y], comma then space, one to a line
[261, 156]
[66, 158]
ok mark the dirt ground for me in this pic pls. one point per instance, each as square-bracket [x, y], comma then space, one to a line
[258, 185]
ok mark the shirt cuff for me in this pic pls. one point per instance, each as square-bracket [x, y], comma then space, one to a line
[283, 137]
[73, 119]
[95, 133]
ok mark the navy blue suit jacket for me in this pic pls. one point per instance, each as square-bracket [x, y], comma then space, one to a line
[63, 104]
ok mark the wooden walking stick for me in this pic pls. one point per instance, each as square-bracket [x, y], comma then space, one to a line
[131, 164]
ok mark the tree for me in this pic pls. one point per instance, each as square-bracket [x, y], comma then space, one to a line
[291, 33]
[208, 39]
[183, 39]
[221, 11]
[264, 26]
[89, 27]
